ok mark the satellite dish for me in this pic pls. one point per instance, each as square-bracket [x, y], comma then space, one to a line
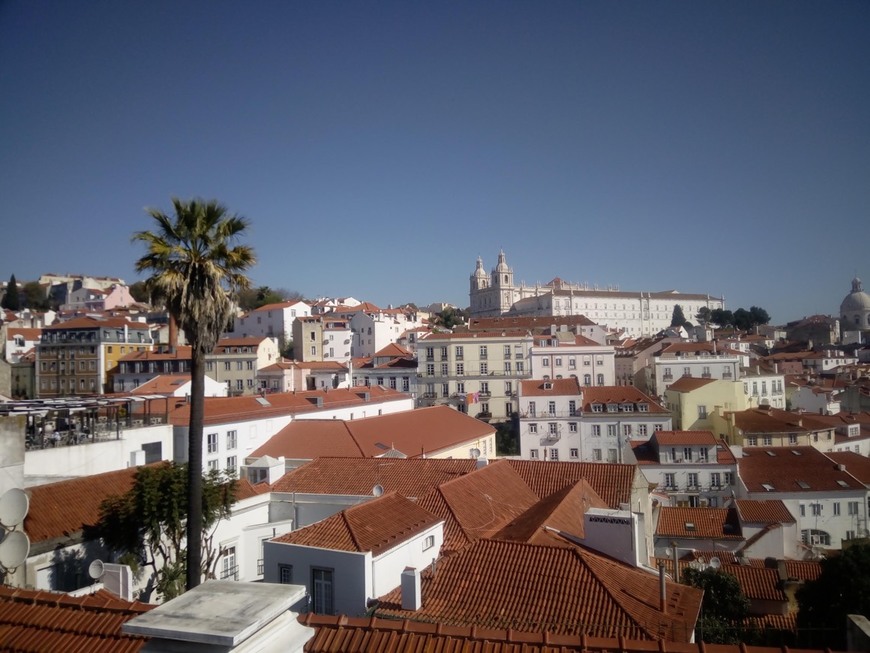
[715, 563]
[96, 569]
[378, 490]
[475, 453]
[13, 507]
[14, 549]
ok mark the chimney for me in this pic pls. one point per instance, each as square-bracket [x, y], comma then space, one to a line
[319, 402]
[411, 590]
[663, 592]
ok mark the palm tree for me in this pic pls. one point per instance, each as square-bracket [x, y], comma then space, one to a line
[195, 272]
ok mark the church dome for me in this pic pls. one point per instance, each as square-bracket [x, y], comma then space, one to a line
[502, 265]
[857, 300]
[479, 271]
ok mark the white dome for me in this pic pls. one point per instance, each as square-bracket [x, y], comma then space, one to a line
[857, 300]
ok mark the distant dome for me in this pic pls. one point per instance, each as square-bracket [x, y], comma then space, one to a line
[857, 300]
[855, 309]
[479, 271]
[502, 265]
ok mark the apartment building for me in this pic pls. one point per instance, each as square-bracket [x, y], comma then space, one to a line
[696, 359]
[271, 321]
[475, 372]
[76, 357]
[236, 361]
[322, 338]
[564, 355]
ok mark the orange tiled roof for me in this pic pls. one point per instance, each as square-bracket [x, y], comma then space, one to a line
[793, 469]
[24, 332]
[550, 387]
[675, 438]
[88, 322]
[163, 384]
[424, 431]
[410, 477]
[527, 323]
[393, 351]
[375, 526]
[249, 341]
[759, 583]
[856, 464]
[701, 523]
[60, 510]
[610, 481]
[767, 512]
[689, 383]
[33, 620]
[564, 591]
[182, 352]
[478, 505]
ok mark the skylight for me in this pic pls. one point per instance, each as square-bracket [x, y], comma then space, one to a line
[263, 401]
[842, 483]
[768, 487]
[803, 485]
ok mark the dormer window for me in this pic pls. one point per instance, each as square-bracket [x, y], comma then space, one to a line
[643, 408]
[612, 408]
[627, 408]
[597, 408]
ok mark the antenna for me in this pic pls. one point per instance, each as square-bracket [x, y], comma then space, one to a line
[715, 563]
[378, 490]
[14, 505]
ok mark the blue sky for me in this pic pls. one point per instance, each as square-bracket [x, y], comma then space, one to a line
[379, 147]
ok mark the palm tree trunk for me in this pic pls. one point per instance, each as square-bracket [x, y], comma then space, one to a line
[194, 468]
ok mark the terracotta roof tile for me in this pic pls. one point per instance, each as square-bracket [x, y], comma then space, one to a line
[766, 512]
[554, 387]
[610, 481]
[701, 523]
[412, 477]
[675, 438]
[564, 591]
[377, 526]
[47, 621]
[689, 383]
[61, 509]
[619, 394]
[413, 433]
[793, 469]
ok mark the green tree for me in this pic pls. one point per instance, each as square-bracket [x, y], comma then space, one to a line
[743, 319]
[147, 524]
[678, 319]
[139, 292]
[450, 317]
[723, 608]
[195, 272]
[722, 317]
[759, 316]
[35, 297]
[11, 300]
[842, 588]
[704, 316]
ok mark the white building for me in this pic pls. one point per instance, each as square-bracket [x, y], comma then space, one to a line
[687, 468]
[637, 313]
[696, 359]
[564, 355]
[271, 321]
[561, 421]
[356, 555]
[764, 387]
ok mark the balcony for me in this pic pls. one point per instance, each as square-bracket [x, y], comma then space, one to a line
[550, 438]
[667, 377]
[484, 394]
[706, 375]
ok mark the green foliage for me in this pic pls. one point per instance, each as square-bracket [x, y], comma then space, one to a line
[507, 438]
[450, 317]
[843, 588]
[740, 319]
[251, 298]
[11, 299]
[35, 297]
[149, 521]
[724, 606]
[759, 315]
[704, 316]
[721, 317]
[139, 292]
[678, 319]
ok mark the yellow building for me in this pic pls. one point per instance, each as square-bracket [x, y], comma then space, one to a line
[693, 401]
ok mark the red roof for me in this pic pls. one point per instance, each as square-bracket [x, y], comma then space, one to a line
[425, 431]
[689, 383]
[554, 387]
[48, 621]
[679, 438]
[701, 523]
[565, 591]
[376, 526]
[619, 394]
[611, 481]
[766, 512]
[793, 469]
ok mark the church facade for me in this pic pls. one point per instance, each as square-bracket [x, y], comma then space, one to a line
[636, 313]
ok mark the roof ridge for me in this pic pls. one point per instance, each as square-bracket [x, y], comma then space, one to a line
[350, 531]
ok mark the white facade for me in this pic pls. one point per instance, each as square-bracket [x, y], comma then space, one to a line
[272, 321]
[636, 313]
[591, 365]
[814, 399]
[374, 330]
[710, 366]
[764, 388]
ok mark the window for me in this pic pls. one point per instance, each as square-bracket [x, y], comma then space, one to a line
[239, 365]
[429, 542]
[444, 353]
[532, 408]
[670, 481]
[533, 428]
[445, 389]
[792, 438]
[430, 353]
[626, 429]
[853, 507]
[554, 454]
[520, 367]
[817, 509]
[507, 367]
[596, 430]
[228, 366]
[444, 369]
[229, 568]
[484, 387]
[551, 407]
[232, 440]
[321, 591]
[715, 480]
[484, 368]
[692, 479]
[313, 350]
[600, 379]
[596, 455]
[574, 453]
[729, 478]
[430, 369]
[641, 429]
[767, 440]
[507, 351]
[460, 369]
[702, 412]
[285, 574]
[587, 380]
[836, 508]
[611, 430]
[572, 407]
[212, 439]
[545, 362]
[552, 428]
[249, 365]
[458, 352]
[752, 441]
[508, 388]
[483, 352]
[533, 454]
[240, 384]
[572, 427]
[212, 465]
